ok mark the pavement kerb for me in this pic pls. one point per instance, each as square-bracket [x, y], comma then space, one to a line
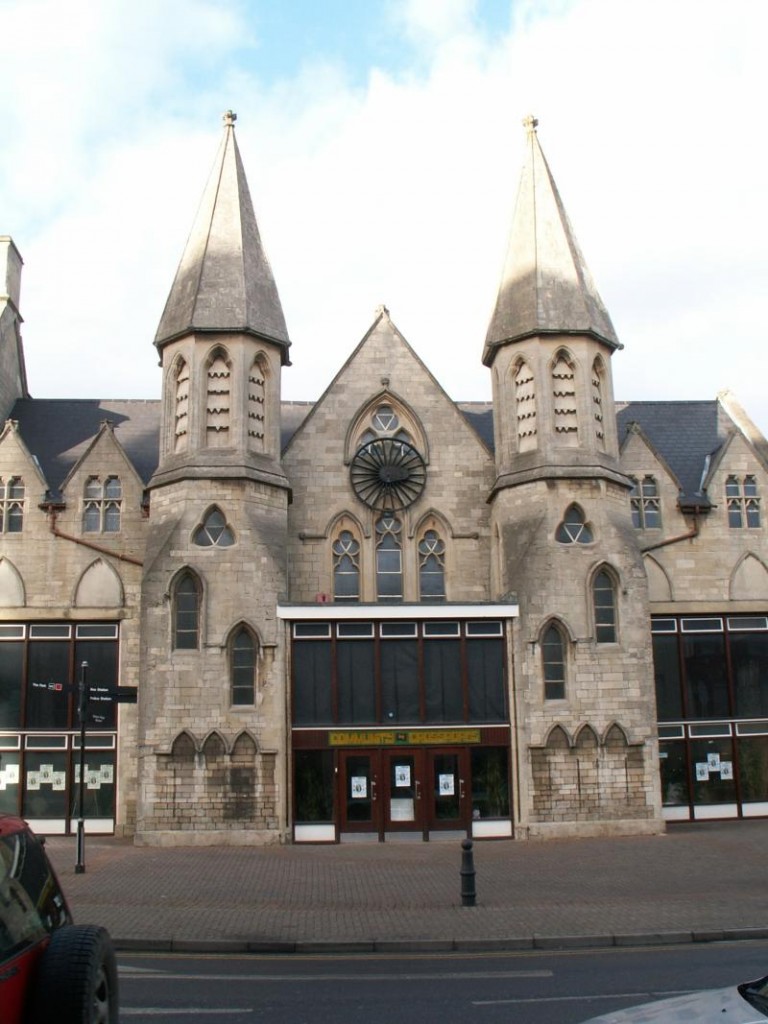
[424, 946]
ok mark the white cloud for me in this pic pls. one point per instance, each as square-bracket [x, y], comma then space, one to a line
[401, 191]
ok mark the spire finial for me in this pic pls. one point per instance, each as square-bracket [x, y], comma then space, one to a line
[530, 124]
[229, 117]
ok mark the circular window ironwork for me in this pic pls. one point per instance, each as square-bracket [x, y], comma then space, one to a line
[388, 474]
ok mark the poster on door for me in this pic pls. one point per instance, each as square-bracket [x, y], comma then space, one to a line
[402, 775]
[358, 787]
[446, 785]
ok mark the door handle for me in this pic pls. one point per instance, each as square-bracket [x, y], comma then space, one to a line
[461, 789]
[373, 790]
[418, 790]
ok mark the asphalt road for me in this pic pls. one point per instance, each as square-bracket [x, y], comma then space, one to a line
[524, 988]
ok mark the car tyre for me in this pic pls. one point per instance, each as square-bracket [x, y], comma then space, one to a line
[76, 979]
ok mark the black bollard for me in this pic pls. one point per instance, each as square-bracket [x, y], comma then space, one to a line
[468, 894]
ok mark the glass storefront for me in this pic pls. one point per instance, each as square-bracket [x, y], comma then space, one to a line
[712, 704]
[42, 666]
[400, 727]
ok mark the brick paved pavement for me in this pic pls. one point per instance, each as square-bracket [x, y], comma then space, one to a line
[696, 883]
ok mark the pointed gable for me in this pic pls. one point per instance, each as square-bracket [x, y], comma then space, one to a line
[224, 281]
[546, 286]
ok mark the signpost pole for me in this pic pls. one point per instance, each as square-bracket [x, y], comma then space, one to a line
[81, 709]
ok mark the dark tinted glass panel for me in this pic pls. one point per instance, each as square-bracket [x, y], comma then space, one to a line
[100, 677]
[400, 681]
[358, 788]
[674, 777]
[666, 666]
[243, 665]
[713, 776]
[187, 614]
[485, 665]
[45, 789]
[706, 685]
[312, 683]
[749, 660]
[9, 793]
[313, 780]
[48, 668]
[98, 790]
[356, 681]
[11, 666]
[442, 681]
[753, 768]
[490, 782]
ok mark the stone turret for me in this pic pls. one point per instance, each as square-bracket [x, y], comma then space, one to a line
[13, 377]
[562, 533]
[549, 344]
[222, 340]
[212, 704]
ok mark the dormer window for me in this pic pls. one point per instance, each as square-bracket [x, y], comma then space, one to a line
[11, 505]
[645, 504]
[102, 502]
[743, 502]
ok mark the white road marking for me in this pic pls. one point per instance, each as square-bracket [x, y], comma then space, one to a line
[130, 972]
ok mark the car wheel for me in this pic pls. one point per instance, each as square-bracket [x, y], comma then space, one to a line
[76, 979]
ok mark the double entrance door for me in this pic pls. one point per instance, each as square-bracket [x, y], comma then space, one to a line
[404, 790]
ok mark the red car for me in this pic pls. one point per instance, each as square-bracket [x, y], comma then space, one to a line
[50, 969]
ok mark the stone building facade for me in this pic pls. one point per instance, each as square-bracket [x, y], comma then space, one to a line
[384, 614]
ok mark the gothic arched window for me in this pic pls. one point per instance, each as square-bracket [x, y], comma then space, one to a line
[242, 666]
[102, 504]
[566, 421]
[12, 505]
[604, 607]
[186, 613]
[346, 567]
[217, 408]
[389, 558]
[181, 407]
[598, 373]
[645, 504]
[574, 529]
[214, 531]
[257, 381]
[553, 662]
[431, 567]
[525, 407]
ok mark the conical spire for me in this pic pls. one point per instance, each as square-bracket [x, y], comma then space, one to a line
[224, 281]
[546, 286]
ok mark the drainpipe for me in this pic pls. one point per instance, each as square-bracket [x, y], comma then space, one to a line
[681, 536]
[53, 511]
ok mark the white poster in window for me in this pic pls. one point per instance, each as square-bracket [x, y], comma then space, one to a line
[713, 760]
[46, 774]
[2, 781]
[358, 787]
[12, 774]
[33, 780]
[402, 775]
[726, 769]
[59, 781]
[107, 772]
[93, 778]
[446, 785]
[702, 771]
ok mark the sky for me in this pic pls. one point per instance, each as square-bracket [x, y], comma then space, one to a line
[383, 141]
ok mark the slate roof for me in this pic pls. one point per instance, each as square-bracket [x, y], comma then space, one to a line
[686, 434]
[57, 432]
